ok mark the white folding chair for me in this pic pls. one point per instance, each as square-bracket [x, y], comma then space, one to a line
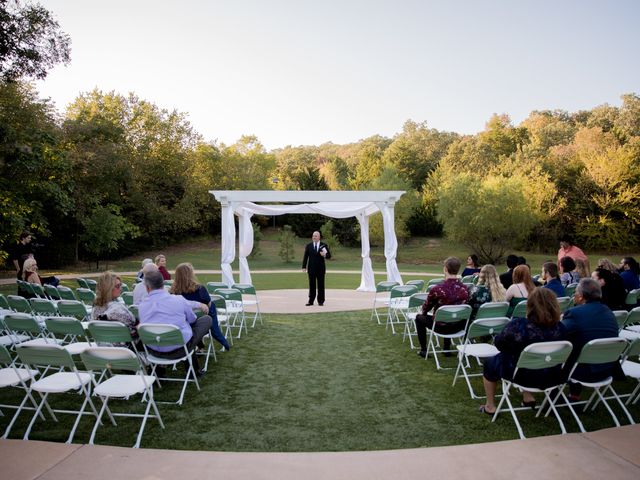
[398, 304]
[632, 369]
[119, 385]
[447, 314]
[416, 301]
[479, 328]
[381, 298]
[59, 382]
[250, 299]
[234, 308]
[537, 356]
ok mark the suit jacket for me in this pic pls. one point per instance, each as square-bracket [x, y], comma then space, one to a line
[313, 261]
[506, 278]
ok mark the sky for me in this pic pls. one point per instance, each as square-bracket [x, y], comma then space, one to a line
[306, 72]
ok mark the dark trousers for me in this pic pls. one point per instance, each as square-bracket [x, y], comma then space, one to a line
[426, 321]
[316, 281]
[200, 328]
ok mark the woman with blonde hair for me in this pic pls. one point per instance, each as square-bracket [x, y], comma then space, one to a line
[521, 288]
[607, 265]
[186, 284]
[30, 271]
[583, 269]
[161, 262]
[106, 305]
[488, 289]
[542, 324]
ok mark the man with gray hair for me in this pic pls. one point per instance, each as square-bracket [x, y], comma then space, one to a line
[162, 307]
[140, 290]
[588, 320]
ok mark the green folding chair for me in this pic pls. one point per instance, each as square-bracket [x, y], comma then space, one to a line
[4, 303]
[82, 283]
[520, 310]
[19, 304]
[492, 310]
[42, 307]
[70, 332]
[66, 293]
[570, 290]
[51, 292]
[419, 284]
[22, 325]
[92, 284]
[38, 290]
[127, 297]
[435, 281]
[165, 335]
[416, 301]
[223, 318]
[86, 296]
[381, 298]
[479, 329]
[234, 308]
[447, 314]
[398, 304]
[213, 286]
[631, 328]
[115, 361]
[73, 308]
[66, 378]
[565, 303]
[537, 356]
[250, 299]
[632, 369]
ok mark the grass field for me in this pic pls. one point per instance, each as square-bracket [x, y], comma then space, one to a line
[316, 382]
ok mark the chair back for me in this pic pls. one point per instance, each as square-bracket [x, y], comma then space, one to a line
[633, 317]
[92, 284]
[493, 310]
[66, 293]
[51, 292]
[542, 355]
[127, 297]
[38, 290]
[417, 300]
[160, 335]
[85, 295]
[483, 327]
[72, 308]
[110, 358]
[453, 313]
[633, 350]
[42, 306]
[26, 287]
[401, 291]
[213, 286]
[82, 283]
[602, 350]
[219, 302]
[632, 297]
[124, 288]
[245, 288]
[22, 322]
[570, 289]
[229, 294]
[435, 281]
[418, 283]
[134, 311]
[19, 304]
[565, 303]
[106, 331]
[51, 355]
[520, 310]
[385, 286]
[621, 317]
[5, 356]
[65, 326]
[4, 303]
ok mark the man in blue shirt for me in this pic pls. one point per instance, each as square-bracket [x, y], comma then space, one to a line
[162, 307]
[552, 281]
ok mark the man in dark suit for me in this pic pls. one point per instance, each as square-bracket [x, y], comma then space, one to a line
[507, 277]
[315, 254]
[588, 320]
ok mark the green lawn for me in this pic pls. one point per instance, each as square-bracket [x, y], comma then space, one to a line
[316, 382]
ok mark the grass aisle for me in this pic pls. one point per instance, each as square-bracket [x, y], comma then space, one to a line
[319, 382]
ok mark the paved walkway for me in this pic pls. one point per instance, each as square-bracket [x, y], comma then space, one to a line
[606, 454]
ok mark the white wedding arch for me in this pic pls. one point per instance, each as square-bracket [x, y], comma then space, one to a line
[334, 204]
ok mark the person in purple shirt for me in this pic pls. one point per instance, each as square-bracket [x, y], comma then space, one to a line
[162, 307]
[451, 292]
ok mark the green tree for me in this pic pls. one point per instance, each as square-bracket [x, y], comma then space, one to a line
[104, 228]
[287, 244]
[31, 41]
[326, 231]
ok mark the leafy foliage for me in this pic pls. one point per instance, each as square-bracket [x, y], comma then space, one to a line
[287, 244]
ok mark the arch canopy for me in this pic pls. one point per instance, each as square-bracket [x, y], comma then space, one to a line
[334, 204]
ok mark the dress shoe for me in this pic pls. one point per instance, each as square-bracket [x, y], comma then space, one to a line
[308, 304]
[321, 304]
[200, 373]
[422, 353]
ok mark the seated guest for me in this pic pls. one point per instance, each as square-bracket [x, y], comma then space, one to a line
[451, 292]
[162, 307]
[588, 320]
[161, 263]
[30, 273]
[520, 289]
[140, 290]
[473, 267]
[144, 262]
[186, 284]
[583, 269]
[551, 280]
[542, 324]
[607, 265]
[568, 271]
[488, 289]
[613, 293]
[568, 249]
[629, 270]
[506, 278]
[106, 305]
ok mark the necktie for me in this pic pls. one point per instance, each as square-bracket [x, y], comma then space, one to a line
[316, 246]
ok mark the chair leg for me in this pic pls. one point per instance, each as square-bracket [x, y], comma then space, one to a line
[98, 420]
[36, 415]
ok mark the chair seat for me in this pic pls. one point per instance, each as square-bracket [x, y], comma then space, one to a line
[38, 342]
[459, 334]
[480, 350]
[6, 340]
[10, 377]
[631, 369]
[124, 385]
[629, 334]
[633, 328]
[62, 382]
[151, 358]
[602, 383]
[76, 348]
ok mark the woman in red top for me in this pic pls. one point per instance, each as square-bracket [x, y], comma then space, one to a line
[161, 262]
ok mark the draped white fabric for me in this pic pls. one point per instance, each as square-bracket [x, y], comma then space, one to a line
[361, 210]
